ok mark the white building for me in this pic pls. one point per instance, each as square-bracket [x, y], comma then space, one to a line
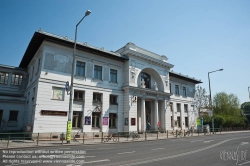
[113, 91]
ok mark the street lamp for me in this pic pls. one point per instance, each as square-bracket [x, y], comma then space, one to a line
[210, 98]
[69, 124]
[249, 92]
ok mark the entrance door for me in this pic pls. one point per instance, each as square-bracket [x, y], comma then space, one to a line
[77, 119]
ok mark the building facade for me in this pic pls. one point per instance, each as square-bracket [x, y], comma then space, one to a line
[117, 91]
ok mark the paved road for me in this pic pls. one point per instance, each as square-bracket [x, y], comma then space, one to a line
[227, 149]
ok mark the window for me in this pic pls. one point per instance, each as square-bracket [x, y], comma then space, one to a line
[96, 119]
[98, 72]
[113, 99]
[113, 75]
[171, 107]
[97, 97]
[172, 122]
[13, 116]
[77, 119]
[184, 91]
[58, 93]
[185, 107]
[16, 79]
[177, 89]
[38, 67]
[178, 121]
[4, 78]
[112, 120]
[80, 68]
[146, 78]
[78, 95]
[186, 121]
[170, 88]
[178, 107]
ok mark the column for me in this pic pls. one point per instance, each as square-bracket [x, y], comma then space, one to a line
[156, 117]
[143, 116]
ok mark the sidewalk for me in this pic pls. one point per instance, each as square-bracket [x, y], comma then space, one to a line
[5, 144]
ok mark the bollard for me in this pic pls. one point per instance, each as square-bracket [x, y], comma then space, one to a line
[176, 133]
[167, 133]
[145, 135]
[37, 139]
[50, 136]
[184, 133]
[83, 137]
[8, 141]
[157, 134]
[220, 130]
[118, 137]
[93, 136]
[102, 138]
[198, 132]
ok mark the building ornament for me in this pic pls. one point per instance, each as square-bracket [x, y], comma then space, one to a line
[156, 88]
[142, 83]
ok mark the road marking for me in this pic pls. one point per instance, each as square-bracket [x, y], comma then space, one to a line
[244, 143]
[97, 161]
[157, 148]
[177, 155]
[197, 140]
[89, 156]
[244, 163]
[105, 148]
[208, 141]
[126, 152]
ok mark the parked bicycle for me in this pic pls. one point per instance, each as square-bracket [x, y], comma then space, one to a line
[135, 135]
[110, 137]
[187, 133]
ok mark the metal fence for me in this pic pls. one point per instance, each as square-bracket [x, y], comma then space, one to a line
[26, 139]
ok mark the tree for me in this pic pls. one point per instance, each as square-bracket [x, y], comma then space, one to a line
[246, 107]
[201, 98]
[227, 106]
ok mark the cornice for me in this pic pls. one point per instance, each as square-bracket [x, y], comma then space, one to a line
[153, 60]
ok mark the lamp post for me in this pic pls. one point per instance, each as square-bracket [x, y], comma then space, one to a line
[210, 98]
[249, 92]
[69, 124]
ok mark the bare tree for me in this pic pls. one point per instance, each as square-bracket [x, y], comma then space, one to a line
[201, 98]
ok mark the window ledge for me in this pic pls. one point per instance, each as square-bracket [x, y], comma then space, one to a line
[80, 77]
[96, 80]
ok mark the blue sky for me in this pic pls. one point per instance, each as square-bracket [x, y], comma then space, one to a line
[197, 36]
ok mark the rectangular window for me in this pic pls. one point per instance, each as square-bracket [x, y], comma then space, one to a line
[16, 79]
[170, 88]
[184, 91]
[97, 97]
[178, 121]
[96, 119]
[178, 107]
[77, 119]
[113, 75]
[177, 89]
[38, 67]
[112, 120]
[186, 121]
[80, 68]
[13, 116]
[98, 72]
[58, 93]
[171, 107]
[78, 95]
[172, 122]
[4, 78]
[113, 99]
[185, 107]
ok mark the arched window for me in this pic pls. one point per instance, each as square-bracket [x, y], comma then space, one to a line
[146, 78]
